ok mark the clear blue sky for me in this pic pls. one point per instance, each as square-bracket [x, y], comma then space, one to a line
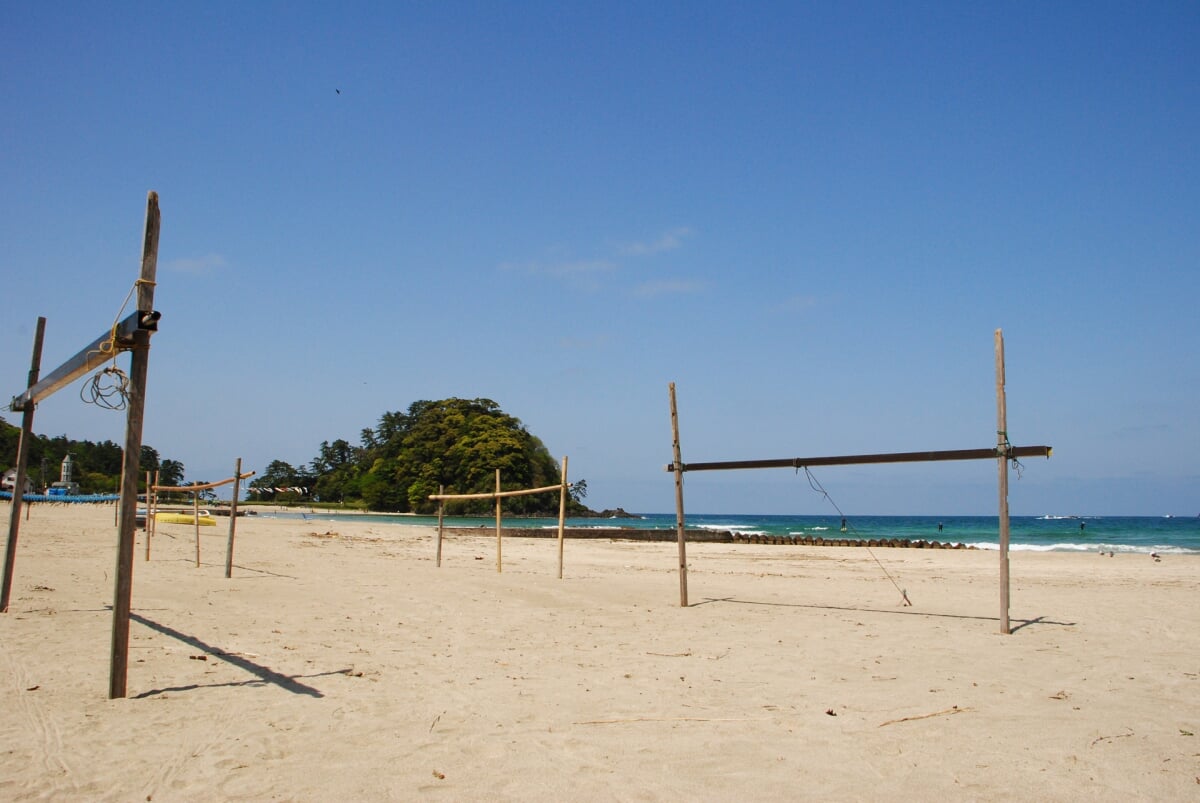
[810, 217]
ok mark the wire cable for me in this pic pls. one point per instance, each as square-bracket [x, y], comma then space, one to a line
[815, 484]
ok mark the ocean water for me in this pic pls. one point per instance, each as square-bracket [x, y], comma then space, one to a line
[1144, 534]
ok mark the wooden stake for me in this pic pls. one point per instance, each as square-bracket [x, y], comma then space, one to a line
[237, 491]
[1002, 450]
[152, 514]
[680, 530]
[562, 516]
[441, 511]
[18, 497]
[146, 526]
[196, 523]
[498, 539]
[139, 366]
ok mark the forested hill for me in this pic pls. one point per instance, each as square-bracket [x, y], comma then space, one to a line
[456, 444]
[96, 466]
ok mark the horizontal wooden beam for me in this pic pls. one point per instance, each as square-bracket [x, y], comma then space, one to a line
[502, 494]
[860, 459]
[98, 352]
[208, 486]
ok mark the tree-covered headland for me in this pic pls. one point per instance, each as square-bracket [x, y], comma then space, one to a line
[456, 444]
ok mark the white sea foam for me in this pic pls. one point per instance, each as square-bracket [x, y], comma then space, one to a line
[1070, 547]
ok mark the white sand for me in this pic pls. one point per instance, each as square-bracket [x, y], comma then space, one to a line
[340, 663]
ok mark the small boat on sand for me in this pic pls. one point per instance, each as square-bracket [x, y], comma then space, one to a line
[205, 519]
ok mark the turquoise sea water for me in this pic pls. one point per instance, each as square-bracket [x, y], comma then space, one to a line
[1144, 534]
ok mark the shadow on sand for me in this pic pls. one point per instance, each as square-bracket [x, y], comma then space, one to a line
[263, 674]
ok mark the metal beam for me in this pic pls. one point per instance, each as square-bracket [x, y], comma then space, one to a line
[101, 350]
[861, 459]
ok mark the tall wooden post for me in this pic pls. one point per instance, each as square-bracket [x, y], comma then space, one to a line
[498, 539]
[1002, 452]
[139, 367]
[149, 513]
[680, 531]
[152, 514]
[196, 523]
[14, 519]
[441, 510]
[146, 527]
[562, 515]
[237, 491]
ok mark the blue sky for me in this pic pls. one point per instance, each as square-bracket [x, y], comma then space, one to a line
[810, 217]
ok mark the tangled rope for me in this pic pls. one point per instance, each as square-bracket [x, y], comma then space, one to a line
[108, 389]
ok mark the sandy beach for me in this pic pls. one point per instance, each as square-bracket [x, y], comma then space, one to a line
[339, 662]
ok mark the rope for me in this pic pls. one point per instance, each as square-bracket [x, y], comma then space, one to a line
[110, 387]
[1007, 446]
[815, 484]
[110, 346]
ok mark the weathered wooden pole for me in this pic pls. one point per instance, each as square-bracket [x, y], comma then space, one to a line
[680, 530]
[151, 508]
[18, 497]
[441, 512]
[1002, 455]
[562, 516]
[237, 491]
[149, 482]
[146, 526]
[498, 539]
[196, 523]
[139, 367]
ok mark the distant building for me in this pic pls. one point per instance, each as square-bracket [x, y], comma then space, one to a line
[9, 481]
[64, 486]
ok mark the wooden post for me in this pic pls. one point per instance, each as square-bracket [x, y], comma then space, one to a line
[562, 516]
[237, 491]
[146, 526]
[441, 511]
[139, 366]
[498, 539]
[152, 512]
[18, 497]
[151, 496]
[148, 484]
[1002, 452]
[680, 530]
[196, 523]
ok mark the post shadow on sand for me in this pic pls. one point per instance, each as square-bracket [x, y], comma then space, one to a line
[1037, 620]
[264, 674]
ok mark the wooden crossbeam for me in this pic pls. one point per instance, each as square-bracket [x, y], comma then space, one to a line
[208, 486]
[861, 459]
[499, 494]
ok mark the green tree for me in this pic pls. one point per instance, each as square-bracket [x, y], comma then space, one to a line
[282, 482]
[170, 472]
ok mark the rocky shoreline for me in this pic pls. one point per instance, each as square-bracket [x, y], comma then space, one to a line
[704, 536]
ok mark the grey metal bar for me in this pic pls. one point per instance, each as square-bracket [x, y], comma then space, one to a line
[93, 356]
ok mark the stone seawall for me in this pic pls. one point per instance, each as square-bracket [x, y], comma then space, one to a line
[704, 536]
